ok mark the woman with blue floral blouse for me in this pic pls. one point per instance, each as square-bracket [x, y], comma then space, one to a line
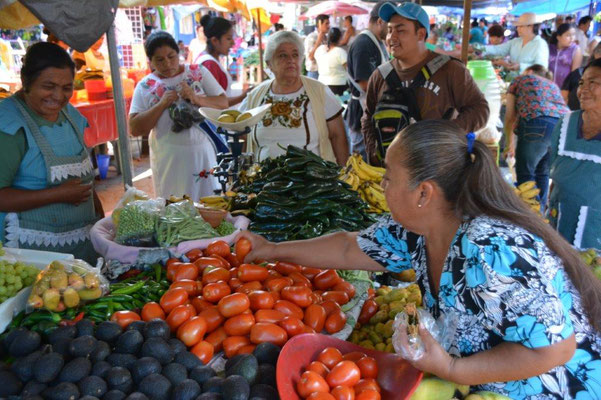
[528, 311]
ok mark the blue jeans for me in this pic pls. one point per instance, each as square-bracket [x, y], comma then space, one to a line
[313, 74]
[533, 151]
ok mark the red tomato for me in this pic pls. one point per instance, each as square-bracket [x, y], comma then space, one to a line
[330, 356]
[178, 316]
[192, 331]
[204, 351]
[271, 316]
[215, 275]
[308, 329]
[366, 384]
[233, 304]
[235, 283]
[345, 373]
[369, 309]
[190, 307]
[293, 326]
[260, 300]
[194, 255]
[192, 287]
[330, 306]
[277, 284]
[354, 356]
[204, 262]
[316, 298]
[218, 247]
[272, 272]
[124, 318]
[346, 287]
[172, 261]
[335, 322]
[300, 279]
[326, 279]
[232, 344]
[276, 296]
[311, 382]
[289, 308]
[265, 332]
[249, 287]
[186, 271]
[320, 396]
[339, 297]
[233, 260]
[214, 292]
[152, 311]
[368, 394]
[172, 267]
[299, 295]
[239, 325]
[315, 317]
[249, 348]
[224, 262]
[310, 272]
[212, 317]
[371, 293]
[250, 272]
[173, 298]
[285, 268]
[343, 393]
[242, 248]
[319, 368]
[201, 304]
[216, 338]
[368, 367]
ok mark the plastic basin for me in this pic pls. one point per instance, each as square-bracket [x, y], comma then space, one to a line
[396, 377]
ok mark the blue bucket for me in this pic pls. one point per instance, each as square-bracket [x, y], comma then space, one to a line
[103, 160]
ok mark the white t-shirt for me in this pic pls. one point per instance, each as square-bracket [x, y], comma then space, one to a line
[195, 48]
[582, 41]
[331, 65]
[290, 121]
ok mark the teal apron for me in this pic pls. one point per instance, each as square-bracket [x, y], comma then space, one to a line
[575, 201]
[58, 227]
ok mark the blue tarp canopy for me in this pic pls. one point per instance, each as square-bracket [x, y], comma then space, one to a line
[550, 6]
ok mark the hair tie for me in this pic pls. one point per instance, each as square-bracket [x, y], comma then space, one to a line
[471, 137]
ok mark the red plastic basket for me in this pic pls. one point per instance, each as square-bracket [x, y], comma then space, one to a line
[396, 377]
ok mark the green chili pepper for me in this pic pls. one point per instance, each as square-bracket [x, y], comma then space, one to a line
[130, 289]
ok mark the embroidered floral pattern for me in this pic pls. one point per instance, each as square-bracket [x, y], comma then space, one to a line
[285, 113]
[157, 88]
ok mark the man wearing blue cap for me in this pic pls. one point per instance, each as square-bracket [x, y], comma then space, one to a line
[417, 84]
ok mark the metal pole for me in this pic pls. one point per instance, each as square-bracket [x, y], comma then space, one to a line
[260, 45]
[467, 16]
[124, 151]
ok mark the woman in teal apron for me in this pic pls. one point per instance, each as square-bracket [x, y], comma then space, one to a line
[575, 202]
[46, 176]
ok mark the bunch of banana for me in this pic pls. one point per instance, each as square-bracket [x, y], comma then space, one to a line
[365, 179]
[528, 192]
[215, 202]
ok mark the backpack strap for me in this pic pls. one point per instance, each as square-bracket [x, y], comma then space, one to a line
[429, 69]
[389, 74]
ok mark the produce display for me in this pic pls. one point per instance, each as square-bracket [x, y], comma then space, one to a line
[230, 116]
[14, 277]
[592, 258]
[365, 179]
[528, 192]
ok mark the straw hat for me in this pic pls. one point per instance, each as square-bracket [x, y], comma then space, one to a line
[526, 19]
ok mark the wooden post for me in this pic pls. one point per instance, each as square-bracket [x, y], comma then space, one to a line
[260, 45]
[467, 14]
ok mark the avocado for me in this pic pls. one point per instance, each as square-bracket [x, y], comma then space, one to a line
[158, 348]
[236, 387]
[47, 367]
[177, 345]
[267, 375]
[75, 370]
[187, 359]
[11, 385]
[247, 367]
[144, 367]
[68, 332]
[129, 342]
[82, 346]
[136, 326]
[121, 360]
[230, 362]
[202, 373]
[92, 386]
[85, 327]
[8, 339]
[33, 388]
[267, 353]
[175, 373]
[100, 368]
[263, 392]
[108, 331]
[101, 351]
[210, 396]
[186, 390]
[119, 378]
[214, 384]
[114, 395]
[157, 328]
[23, 367]
[62, 391]
[156, 387]
[61, 346]
[24, 344]
[136, 396]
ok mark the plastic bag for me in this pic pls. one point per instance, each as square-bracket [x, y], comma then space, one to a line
[131, 194]
[66, 284]
[181, 222]
[184, 115]
[137, 221]
[489, 135]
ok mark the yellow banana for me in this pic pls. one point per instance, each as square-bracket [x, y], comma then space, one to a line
[524, 187]
[365, 169]
[531, 193]
[212, 199]
[361, 173]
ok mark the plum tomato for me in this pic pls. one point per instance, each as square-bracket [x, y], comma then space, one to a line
[289, 308]
[368, 394]
[335, 322]
[369, 309]
[251, 272]
[261, 300]
[320, 396]
[239, 325]
[368, 367]
[330, 356]
[201, 304]
[216, 338]
[218, 247]
[213, 318]
[366, 384]
[152, 311]
[315, 317]
[186, 271]
[330, 306]
[173, 298]
[124, 318]
[214, 292]
[345, 373]
[178, 316]
[338, 296]
[299, 295]
[285, 268]
[192, 287]
[204, 351]
[232, 344]
[293, 326]
[354, 356]
[194, 255]
[215, 275]
[277, 284]
[192, 331]
[346, 287]
[319, 367]
[271, 316]
[343, 393]
[233, 304]
[326, 279]
[265, 332]
[242, 248]
[311, 382]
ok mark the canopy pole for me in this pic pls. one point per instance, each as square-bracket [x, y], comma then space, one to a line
[124, 151]
[467, 17]
[258, 10]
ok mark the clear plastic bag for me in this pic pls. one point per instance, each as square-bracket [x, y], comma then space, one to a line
[131, 194]
[184, 115]
[66, 284]
[182, 222]
[136, 223]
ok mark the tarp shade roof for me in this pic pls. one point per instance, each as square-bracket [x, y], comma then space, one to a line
[550, 6]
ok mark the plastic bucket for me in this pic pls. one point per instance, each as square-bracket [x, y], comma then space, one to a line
[481, 69]
[103, 160]
[96, 89]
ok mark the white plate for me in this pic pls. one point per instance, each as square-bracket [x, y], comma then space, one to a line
[39, 259]
[256, 115]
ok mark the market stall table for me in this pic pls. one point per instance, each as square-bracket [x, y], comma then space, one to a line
[101, 120]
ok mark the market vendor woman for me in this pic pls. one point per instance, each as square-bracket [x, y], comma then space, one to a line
[47, 200]
[527, 309]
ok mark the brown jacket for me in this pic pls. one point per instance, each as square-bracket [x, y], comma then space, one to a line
[451, 86]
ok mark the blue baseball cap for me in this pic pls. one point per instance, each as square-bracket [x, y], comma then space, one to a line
[411, 11]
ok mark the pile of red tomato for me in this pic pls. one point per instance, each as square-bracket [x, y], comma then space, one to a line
[217, 302]
[333, 376]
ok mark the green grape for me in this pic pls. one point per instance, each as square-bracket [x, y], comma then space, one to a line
[10, 279]
[18, 285]
[18, 280]
[3, 290]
